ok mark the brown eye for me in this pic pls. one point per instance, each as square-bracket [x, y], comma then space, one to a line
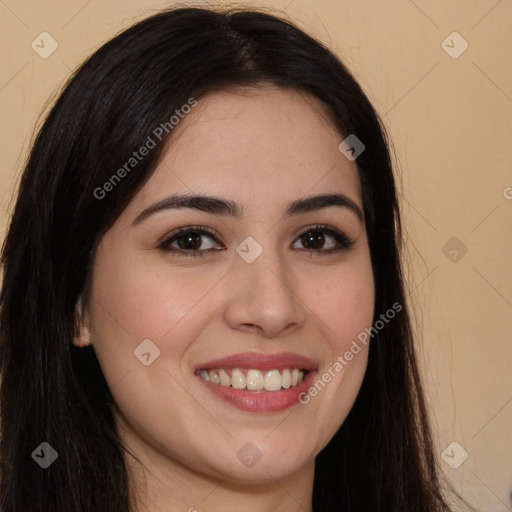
[189, 241]
[314, 239]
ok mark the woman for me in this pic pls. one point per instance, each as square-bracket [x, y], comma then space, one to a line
[203, 305]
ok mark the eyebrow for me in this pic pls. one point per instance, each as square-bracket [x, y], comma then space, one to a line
[220, 206]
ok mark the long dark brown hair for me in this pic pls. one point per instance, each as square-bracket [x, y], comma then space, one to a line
[380, 460]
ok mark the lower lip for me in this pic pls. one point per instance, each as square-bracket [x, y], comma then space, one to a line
[261, 401]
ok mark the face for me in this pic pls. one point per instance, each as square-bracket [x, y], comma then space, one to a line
[214, 339]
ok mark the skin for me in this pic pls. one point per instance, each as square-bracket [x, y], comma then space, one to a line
[261, 147]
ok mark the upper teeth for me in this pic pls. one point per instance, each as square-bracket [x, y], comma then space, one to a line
[271, 380]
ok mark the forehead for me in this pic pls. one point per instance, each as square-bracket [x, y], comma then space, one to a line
[254, 145]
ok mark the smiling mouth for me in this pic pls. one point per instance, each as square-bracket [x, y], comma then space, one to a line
[253, 380]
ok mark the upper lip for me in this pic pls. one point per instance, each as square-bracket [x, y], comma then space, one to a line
[261, 361]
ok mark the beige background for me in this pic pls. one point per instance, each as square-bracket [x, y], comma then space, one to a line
[451, 124]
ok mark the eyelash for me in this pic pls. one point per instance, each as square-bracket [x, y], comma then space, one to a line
[343, 240]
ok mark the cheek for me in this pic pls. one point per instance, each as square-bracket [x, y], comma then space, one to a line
[135, 300]
[355, 311]
[345, 307]
[343, 302]
[144, 300]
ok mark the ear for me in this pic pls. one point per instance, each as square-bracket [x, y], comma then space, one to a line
[83, 334]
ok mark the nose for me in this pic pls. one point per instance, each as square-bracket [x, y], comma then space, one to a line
[263, 299]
